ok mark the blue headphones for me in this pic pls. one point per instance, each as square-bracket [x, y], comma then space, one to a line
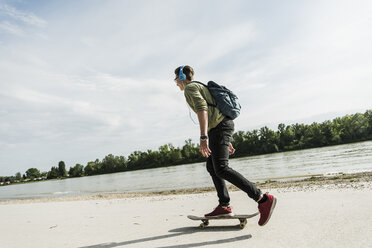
[181, 75]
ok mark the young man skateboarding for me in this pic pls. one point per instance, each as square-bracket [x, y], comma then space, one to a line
[216, 132]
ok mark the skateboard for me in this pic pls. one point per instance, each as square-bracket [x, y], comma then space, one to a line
[205, 220]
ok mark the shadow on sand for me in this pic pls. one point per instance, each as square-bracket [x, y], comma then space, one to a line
[179, 232]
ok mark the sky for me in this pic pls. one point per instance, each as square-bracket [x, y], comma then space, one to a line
[83, 79]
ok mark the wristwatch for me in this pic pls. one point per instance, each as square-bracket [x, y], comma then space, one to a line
[203, 137]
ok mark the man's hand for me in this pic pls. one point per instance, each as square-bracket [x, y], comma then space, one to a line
[204, 148]
[231, 149]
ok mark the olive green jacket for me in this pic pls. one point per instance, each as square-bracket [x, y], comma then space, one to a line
[198, 97]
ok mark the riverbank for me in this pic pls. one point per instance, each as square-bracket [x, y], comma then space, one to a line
[338, 180]
[324, 212]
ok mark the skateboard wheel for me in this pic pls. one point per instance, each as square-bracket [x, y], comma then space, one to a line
[204, 224]
[243, 223]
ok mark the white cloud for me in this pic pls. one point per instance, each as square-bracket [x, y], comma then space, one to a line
[220, 42]
[28, 18]
[11, 28]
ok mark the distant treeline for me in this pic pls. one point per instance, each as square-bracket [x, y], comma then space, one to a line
[347, 129]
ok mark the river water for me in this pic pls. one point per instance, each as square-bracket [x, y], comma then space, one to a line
[350, 158]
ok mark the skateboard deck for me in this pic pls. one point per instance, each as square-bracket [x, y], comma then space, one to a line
[205, 220]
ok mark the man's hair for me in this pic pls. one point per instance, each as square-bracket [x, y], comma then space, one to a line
[187, 70]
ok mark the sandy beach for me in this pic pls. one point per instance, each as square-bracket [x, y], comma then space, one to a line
[335, 213]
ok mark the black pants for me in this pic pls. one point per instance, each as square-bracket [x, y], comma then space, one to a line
[218, 164]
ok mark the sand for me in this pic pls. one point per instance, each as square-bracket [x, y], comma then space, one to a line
[316, 215]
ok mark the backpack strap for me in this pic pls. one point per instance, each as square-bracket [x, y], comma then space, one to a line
[212, 105]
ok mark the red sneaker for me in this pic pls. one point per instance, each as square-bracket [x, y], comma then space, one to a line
[266, 209]
[220, 211]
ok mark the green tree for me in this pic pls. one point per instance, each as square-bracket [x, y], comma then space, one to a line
[175, 156]
[110, 164]
[190, 152]
[18, 176]
[62, 172]
[368, 116]
[313, 136]
[44, 174]
[92, 168]
[53, 173]
[121, 163]
[299, 134]
[76, 171]
[360, 126]
[32, 173]
[286, 137]
[133, 160]
[252, 141]
[269, 140]
[10, 179]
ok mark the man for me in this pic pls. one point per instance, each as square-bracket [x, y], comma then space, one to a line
[216, 132]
